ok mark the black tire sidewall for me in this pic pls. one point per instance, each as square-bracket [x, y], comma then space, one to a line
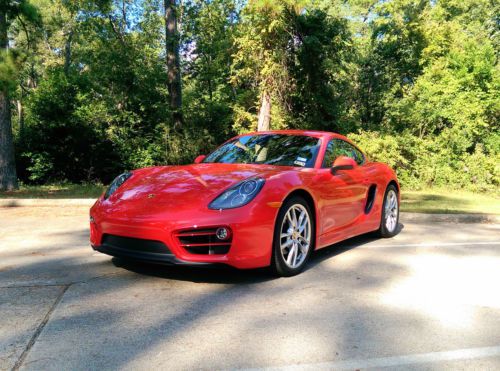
[277, 262]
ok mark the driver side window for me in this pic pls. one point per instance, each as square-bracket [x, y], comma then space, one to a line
[338, 147]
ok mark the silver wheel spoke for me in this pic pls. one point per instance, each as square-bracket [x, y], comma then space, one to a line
[303, 225]
[304, 245]
[294, 218]
[295, 254]
[286, 244]
[301, 218]
[291, 255]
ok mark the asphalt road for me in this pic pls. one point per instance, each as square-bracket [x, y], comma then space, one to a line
[427, 299]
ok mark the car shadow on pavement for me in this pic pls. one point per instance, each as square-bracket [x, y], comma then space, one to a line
[222, 274]
[218, 274]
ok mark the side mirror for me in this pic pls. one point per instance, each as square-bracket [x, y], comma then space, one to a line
[343, 163]
[199, 159]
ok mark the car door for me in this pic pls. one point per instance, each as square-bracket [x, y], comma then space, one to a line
[342, 195]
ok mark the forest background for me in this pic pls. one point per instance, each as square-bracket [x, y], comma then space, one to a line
[91, 88]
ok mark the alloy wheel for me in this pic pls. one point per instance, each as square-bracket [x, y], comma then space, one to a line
[391, 211]
[295, 236]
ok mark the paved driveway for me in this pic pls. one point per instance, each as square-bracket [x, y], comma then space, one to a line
[427, 299]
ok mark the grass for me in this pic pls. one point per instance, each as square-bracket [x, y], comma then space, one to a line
[440, 201]
[425, 201]
[64, 190]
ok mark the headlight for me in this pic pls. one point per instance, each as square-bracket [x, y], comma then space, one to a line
[115, 184]
[239, 195]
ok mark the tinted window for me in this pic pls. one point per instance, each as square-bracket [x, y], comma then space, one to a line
[271, 149]
[330, 155]
[339, 147]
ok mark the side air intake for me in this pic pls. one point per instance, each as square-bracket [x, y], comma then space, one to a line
[204, 241]
[370, 198]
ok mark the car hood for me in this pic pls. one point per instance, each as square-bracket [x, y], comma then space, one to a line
[177, 188]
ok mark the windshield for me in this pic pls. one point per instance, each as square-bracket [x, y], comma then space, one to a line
[271, 149]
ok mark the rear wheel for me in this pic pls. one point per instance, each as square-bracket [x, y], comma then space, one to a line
[293, 237]
[390, 213]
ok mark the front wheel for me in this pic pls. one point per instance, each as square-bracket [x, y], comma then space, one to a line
[390, 213]
[293, 237]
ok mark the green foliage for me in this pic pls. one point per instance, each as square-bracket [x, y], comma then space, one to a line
[321, 72]
[209, 35]
[416, 81]
[430, 93]
[65, 140]
[12, 57]
[422, 163]
[20, 8]
[260, 63]
[40, 166]
[299, 55]
[57, 190]
[8, 70]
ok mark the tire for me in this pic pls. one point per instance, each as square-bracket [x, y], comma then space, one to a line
[389, 220]
[293, 236]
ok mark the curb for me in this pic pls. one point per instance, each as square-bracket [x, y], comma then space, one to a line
[449, 218]
[405, 217]
[47, 202]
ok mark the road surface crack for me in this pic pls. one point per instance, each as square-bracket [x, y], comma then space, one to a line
[39, 329]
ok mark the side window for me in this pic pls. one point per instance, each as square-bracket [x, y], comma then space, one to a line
[352, 152]
[330, 155]
[338, 147]
[360, 158]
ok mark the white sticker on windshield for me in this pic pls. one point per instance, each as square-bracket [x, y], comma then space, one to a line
[299, 163]
[302, 159]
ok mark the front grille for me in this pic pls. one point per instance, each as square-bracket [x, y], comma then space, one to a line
[203, 242]
[135, 244]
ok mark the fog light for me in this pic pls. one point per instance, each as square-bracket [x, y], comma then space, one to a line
[92, 220]
[223, 233]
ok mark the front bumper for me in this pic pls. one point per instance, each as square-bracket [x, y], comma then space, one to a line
[147, 257]
[252, 229]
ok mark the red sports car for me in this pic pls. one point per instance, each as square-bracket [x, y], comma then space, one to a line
[260, 199]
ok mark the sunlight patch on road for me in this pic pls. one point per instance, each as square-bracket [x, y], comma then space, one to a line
[395, 361]
[447, 288]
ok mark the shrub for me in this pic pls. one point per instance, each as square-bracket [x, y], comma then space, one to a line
[432, 161]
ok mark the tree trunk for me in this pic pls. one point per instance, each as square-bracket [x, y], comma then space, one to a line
[8, 177]
[20, 115]
[264, 113]
[67, 52]
[173, 62]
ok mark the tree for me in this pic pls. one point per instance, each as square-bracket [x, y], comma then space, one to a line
[320, 59]
[393, 61]
[260, 61]
[9, 10]
[172, 42]
[208, 32]
[295, 57]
